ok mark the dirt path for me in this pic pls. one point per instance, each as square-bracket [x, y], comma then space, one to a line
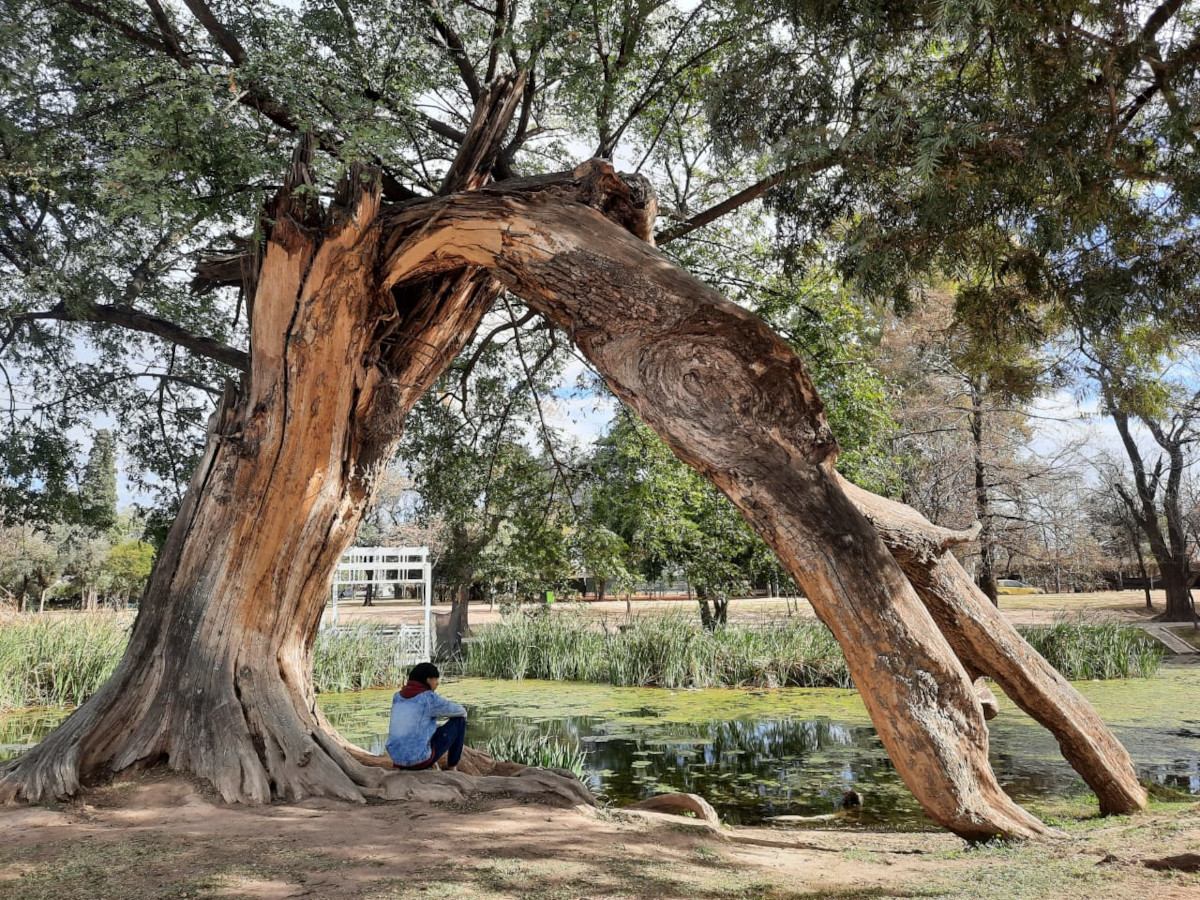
[160, 837]
[1023, 609]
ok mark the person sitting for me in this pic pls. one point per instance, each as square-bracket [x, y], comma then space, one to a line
[415, 740]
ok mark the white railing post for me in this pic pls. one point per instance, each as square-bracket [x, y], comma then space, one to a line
[427, 577]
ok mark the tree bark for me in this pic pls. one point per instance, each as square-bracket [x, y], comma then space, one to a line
[459, 624]
[733, 401]
[983, 500]
[988, 644]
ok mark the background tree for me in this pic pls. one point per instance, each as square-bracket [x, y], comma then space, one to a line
[1154, 497]
[98, 486]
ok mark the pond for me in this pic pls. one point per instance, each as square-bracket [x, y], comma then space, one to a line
[758, 753]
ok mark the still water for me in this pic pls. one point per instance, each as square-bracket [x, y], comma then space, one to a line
[755, 754]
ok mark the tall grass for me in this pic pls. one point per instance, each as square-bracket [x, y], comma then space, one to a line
[61, 661]
[538, 748]
[675, 652]
[58, 662]
[663, 651]
[355, 657]
[1083, 650]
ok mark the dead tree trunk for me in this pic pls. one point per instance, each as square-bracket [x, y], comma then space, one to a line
[733, 401]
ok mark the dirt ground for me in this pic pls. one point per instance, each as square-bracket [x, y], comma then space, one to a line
[159, 836]
[1021, 609]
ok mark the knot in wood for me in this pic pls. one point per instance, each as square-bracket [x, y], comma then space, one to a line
[622, 197]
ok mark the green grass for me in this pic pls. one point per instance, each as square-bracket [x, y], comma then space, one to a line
[1083, 650]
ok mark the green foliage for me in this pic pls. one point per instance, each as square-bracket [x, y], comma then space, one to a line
[98, 487]
[661, 651]
[667, 517]
[836, 335]
[129, 564]
[58, 662]
[537, 748]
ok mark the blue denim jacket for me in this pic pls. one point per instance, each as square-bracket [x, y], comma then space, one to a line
[413, 722]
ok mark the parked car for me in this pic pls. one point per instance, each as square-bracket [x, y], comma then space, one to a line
[1015, 586]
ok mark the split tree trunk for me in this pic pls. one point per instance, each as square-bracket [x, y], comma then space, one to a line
[216, 680]
[988, 644]
[733, 401]
[217, 677]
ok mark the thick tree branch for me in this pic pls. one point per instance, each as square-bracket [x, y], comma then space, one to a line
[170, 35]
[100, 15]
[1159, 18]
[741, 198]
[219, 33]
[136, 320]
[454, 46]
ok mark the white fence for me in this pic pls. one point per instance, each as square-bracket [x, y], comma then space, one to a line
[380, 567]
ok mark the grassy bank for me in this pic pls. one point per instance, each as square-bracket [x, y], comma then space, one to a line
[675, 652]
[662, 651]
[61, 661]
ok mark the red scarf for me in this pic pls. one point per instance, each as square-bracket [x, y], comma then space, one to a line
[413, 688]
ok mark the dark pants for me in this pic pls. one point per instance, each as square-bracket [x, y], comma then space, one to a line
[448, 739]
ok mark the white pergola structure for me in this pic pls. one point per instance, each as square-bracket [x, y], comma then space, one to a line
[378, 567]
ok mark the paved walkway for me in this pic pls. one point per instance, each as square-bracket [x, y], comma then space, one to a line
[1170, 640]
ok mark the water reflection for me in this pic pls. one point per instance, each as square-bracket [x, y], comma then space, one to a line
[752, 761]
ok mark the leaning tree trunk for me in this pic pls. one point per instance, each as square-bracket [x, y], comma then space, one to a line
[988, 644]
[353, 319]
[732, 400]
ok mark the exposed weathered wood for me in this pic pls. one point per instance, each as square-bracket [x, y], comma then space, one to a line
[987, 643]
[217, 677]
[732, 399]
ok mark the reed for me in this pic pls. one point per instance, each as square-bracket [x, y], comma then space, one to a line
[1083, 649]
[61, 661]
[663, 651]
[538, 748]
[672, 651]
[58, 662]
[354, 658]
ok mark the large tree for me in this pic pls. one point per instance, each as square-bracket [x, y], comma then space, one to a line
[355, 305]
